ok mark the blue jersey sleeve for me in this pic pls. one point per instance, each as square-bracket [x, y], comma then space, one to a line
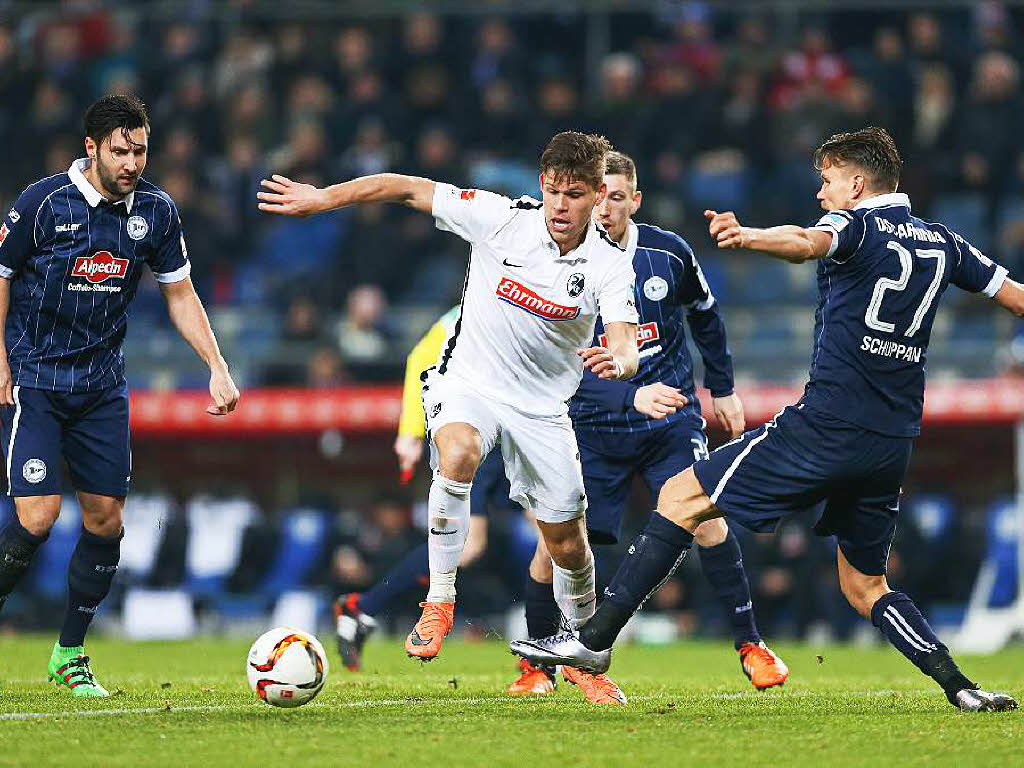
[706, 325]
[169, 260]
[18, 232]
[614, 396]
[973, 270]
[847, 229]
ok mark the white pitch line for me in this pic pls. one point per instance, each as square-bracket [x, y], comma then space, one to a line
[109, 712]
[370, 703]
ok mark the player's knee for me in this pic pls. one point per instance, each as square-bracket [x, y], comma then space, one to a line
[103, 516]
[711, 533]
[459, 457]
[38, 515]
[861, 591]
[570, 552]
[683, 501]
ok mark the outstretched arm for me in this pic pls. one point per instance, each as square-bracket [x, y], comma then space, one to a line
[789, 242]
[1011, 296]
[620, 359]
[291, 198]
[189, 317]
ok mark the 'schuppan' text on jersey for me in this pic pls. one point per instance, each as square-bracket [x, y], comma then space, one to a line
[879, 288]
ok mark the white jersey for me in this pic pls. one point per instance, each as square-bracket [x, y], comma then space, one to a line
[526, 308]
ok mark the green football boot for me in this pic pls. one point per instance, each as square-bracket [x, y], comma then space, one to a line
[69, 668]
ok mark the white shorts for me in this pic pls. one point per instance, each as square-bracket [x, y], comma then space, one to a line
[542, 461]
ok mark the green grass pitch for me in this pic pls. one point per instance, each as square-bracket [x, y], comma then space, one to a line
[188, 704]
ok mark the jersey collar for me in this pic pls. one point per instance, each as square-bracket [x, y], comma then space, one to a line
[89, 192]
[576, 253]
[632, 238]
[880, 201]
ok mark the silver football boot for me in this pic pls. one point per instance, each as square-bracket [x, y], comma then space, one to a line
[564, 648]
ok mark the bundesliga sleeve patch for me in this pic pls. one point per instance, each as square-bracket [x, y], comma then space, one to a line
[462, 194]
[4, 231]
[836, 221]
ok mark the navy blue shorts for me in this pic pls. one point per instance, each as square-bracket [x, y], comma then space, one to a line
[802, 459]
[612, 459]
[89, 430]
[490, 489]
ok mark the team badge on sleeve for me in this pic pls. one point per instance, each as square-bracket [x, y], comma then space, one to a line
[837, 221]
[467, 194]
[13, 215]
[137, 228]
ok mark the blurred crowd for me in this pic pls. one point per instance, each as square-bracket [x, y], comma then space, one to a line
[720, 108]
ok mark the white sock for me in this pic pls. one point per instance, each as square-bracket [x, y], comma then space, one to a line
[575, 592]
[448, 515]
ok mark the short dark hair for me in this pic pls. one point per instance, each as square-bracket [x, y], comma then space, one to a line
[576, 157]
[116, 111]
[871, 149]
[620, 164]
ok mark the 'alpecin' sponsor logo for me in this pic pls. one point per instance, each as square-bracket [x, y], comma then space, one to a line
[101, 266]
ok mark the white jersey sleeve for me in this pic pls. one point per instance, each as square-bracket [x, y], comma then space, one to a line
[615, 295]
[472, 214]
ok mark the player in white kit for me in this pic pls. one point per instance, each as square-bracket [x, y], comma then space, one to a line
[539, 274]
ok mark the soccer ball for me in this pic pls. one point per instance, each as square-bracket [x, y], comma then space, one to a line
[287, 667]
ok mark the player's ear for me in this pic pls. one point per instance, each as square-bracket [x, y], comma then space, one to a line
[858, 183]
[90, 148]
[638, 197]
[602, 191]
[540, 180]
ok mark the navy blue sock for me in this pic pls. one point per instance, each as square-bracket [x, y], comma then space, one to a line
[649, 561]
[90, 574]
[542, 614]
[410, 571]
[903, 625]
[723, 567]
[17, 546]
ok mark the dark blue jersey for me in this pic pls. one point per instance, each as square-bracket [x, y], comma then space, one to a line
[670, 287]
[74, 261]
[879, 289]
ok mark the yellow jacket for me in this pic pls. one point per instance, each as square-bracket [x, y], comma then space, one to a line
[422, 356]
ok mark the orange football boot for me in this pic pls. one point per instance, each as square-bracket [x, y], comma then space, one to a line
[761, 666]
[424, 642]
[599, 689]
[532, 681]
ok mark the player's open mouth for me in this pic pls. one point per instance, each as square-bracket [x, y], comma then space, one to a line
[561, 225]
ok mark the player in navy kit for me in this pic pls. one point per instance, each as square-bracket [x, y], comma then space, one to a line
[72, 250]
[651, 426]
[846, 445]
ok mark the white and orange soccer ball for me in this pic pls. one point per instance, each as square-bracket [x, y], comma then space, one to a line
[287, 667]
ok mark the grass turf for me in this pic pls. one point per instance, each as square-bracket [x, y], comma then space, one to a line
[189, 704]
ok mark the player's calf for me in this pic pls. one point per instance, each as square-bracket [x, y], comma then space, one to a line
[573, 585]
[17, 546]
[90, 574]
[903, 625]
